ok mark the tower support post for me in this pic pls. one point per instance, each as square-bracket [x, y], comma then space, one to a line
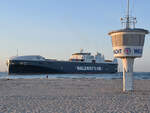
[128, 74]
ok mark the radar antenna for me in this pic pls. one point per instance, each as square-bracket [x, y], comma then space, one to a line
[128, 21]
[128, 17]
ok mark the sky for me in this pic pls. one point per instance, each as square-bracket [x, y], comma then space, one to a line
[57, 28]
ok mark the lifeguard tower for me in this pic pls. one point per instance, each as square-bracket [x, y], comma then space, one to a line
[128, 44]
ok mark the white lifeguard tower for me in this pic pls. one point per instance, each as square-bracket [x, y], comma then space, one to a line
[128, 44]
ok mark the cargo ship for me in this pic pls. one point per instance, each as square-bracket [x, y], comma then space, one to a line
[79, 63]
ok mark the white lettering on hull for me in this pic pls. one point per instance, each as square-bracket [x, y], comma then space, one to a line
[88, 68]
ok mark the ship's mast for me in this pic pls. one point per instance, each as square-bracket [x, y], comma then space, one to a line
[17, 52]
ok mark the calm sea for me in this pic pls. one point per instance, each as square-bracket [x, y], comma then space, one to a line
[137, 75]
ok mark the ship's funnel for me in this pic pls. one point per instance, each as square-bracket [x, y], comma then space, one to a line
[128, 44]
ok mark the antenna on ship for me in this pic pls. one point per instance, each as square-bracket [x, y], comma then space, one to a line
[17, 51]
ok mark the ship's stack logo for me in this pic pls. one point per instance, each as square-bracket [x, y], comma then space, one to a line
[127, 51]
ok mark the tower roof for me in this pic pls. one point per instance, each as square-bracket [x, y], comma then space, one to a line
[130, 30]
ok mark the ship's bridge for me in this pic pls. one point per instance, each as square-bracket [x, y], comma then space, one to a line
[87, 57]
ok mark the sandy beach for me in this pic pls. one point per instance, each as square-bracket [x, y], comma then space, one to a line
[72, 96]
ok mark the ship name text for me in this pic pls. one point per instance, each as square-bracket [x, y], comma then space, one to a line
[89, 68]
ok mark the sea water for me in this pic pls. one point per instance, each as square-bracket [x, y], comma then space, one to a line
[137, 75]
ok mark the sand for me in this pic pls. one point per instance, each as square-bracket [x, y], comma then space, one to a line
[72, 96]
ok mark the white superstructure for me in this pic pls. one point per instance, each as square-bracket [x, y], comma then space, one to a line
[87, 57]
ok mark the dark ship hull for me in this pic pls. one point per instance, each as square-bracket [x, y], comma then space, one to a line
[59, 67]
